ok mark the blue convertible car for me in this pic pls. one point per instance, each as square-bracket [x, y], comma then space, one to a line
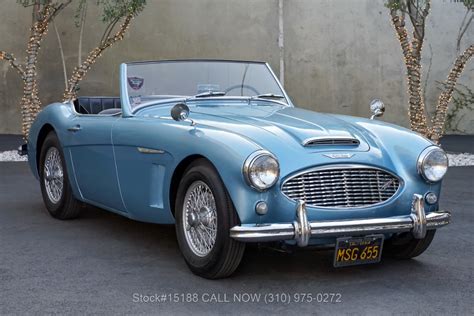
[218, 148]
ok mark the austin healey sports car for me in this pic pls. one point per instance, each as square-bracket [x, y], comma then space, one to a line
[218, 149]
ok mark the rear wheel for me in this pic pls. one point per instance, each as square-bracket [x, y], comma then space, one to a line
[57, 194]
[204, 216]
[405, 246]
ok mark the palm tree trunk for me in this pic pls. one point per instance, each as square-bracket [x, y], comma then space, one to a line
[439, 118]
[30, 103]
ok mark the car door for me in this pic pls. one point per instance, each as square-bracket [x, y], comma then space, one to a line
[143, 167]
[92, 154]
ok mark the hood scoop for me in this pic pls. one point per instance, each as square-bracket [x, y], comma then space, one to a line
[331, 141]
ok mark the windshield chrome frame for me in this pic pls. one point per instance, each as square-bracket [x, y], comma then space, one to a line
[247, 100]
[127, 109]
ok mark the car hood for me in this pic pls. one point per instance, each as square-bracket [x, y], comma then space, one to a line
[294, 126]
[283, 130]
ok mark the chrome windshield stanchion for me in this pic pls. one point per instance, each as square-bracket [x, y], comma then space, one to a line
[419, 217]
[302, 226]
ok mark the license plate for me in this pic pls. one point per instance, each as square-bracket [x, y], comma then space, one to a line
[358, 250]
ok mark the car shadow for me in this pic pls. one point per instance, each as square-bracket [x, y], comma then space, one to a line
[132, 231]
[259, 261]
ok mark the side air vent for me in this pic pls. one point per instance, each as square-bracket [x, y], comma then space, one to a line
[330, 141]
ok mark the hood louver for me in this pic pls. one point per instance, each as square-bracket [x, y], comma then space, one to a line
[331, 141]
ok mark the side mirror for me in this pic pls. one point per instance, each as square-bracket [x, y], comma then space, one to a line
[180, 112]
[377, 108]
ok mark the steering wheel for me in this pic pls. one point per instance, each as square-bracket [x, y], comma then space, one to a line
[240, 86]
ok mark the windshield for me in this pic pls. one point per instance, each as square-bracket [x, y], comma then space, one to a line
[152, 81]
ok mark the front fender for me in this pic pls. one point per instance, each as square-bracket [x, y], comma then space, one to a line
[225, 150]
[228, 152]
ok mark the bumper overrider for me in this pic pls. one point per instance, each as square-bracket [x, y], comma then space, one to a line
[301, 230]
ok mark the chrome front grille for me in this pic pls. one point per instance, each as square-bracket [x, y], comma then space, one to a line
[342, 186]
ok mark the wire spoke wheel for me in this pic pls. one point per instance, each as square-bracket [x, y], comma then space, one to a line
[200, 218]
[53, 175]
[55, 188]
[204, 215]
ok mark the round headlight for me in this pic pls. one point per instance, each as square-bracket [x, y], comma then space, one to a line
[433, 164]
[261, 170]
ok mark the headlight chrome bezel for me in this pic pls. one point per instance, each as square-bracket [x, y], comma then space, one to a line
[423, 158]
[249, 163]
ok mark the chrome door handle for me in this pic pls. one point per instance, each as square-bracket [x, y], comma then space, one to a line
[74, 128]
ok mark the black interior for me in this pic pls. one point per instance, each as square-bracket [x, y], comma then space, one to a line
[98, 105]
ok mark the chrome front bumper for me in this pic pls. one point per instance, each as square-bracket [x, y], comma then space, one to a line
[302, 230]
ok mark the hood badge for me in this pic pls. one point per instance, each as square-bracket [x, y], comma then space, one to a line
[339, 156]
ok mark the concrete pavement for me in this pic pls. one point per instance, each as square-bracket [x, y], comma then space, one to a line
[102, 263]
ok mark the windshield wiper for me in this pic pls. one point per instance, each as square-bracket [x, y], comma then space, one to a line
[210, 94]
[268, 96]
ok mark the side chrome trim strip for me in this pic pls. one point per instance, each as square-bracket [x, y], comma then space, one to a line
[144, 150]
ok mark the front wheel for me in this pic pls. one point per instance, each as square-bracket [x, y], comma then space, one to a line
[55, 188]
[405, 246]
[204, 215]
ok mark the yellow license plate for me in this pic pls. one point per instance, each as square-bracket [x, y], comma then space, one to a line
[358, 250]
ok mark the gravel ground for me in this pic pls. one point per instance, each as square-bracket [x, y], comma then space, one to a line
[12, 155]
[460, 160]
